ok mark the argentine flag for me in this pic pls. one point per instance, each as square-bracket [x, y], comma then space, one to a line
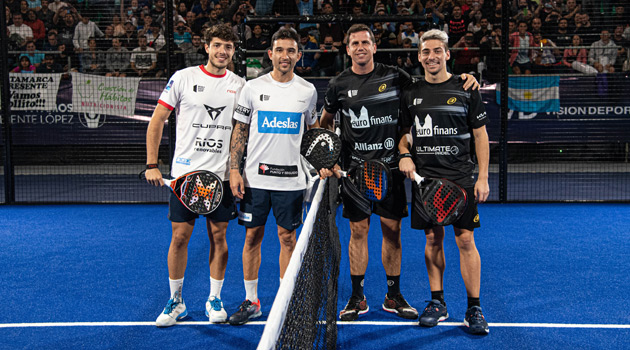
[533, 94]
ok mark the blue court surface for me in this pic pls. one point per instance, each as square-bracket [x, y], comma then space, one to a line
[554, 276]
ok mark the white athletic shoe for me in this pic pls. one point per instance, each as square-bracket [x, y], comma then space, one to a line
[175, 310]
[215, 311]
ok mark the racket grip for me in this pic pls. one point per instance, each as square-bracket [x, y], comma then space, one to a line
[166, 182]
[417, 178]
[343, 173]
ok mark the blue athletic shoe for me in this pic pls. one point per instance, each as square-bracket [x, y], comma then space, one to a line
[175, 310]
[434, 312]
[215, 311]
[475, 321]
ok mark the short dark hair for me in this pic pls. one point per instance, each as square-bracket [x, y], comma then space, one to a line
[285, 33]
[221, 31]
[360, 27]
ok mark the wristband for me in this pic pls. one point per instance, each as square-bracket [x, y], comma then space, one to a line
[152, 166]
[405, 155]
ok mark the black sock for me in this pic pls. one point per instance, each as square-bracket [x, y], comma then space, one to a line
[357, 285]
[393, 286]
[473, 302]
[438, 295]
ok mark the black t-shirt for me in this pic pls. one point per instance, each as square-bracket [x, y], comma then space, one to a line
[369, 108]
[456, 29]
[442, 117]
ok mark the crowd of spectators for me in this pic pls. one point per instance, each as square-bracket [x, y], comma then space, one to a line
[126, 37]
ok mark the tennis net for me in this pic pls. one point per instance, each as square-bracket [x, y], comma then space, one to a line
[303, 315]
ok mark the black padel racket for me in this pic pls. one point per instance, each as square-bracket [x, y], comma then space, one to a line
[321, 147]
[372, 178]
[199, 191]
[443, 201]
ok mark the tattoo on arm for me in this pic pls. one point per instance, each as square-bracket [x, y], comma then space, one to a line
[237, 144]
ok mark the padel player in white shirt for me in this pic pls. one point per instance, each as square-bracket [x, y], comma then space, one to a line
[270, 117]
[205, 98]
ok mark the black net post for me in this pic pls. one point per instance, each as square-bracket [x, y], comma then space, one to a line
[9, 180]
[505, 64]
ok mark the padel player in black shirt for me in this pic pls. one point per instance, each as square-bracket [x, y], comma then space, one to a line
[438, 121]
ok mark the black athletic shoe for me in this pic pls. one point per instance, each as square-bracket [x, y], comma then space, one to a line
[475, 321]
[400, 307]
[434, 312]
[355, 307]
[245, 312]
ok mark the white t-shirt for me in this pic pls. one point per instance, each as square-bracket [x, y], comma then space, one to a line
[205, 104]
[276, 113]
[143, 59]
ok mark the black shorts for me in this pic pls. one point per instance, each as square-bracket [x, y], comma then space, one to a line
[393, 207]
[256, 204]
[226, 211]
[468, 221]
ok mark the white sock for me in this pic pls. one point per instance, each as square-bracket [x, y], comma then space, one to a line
[251, 290]
[176, 286]
[215, 288]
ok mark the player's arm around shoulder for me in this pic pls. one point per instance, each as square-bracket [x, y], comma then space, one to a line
[154, 136]
[470, 82]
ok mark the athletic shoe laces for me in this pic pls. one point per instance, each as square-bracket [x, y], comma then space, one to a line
[216, 304]
[476, 316]
[172, 304]
[432, 308]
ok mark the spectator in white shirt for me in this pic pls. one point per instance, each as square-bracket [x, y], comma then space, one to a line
[83, 31]
[24, 32]
[603, 53]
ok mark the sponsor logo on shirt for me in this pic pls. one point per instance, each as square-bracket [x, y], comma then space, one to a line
[264, 97]
[198, 88]
[429, 130]
[270, 122]
[208, 145]
[243, 110]
[362, 146]
[181, 160]
[451, 100]
[267, 169]
[364, 120]
[481, 116]
[417, 101]
[382, 87]
[231, 91]
[169, 85]
[211, 126]
[214, 112]
[352, 93]
[438, 150]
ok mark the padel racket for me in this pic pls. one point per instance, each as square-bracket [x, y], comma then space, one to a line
[321, 147]
[443, 201]
[200, 191]
[372, 179]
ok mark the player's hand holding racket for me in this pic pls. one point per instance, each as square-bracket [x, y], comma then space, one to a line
[321, 147]
[154, 176]
[199, 191]
[439, 201]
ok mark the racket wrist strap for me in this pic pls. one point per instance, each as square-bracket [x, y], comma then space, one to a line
[152, 166]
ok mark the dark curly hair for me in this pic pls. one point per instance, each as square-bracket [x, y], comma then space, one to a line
[221, 31]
